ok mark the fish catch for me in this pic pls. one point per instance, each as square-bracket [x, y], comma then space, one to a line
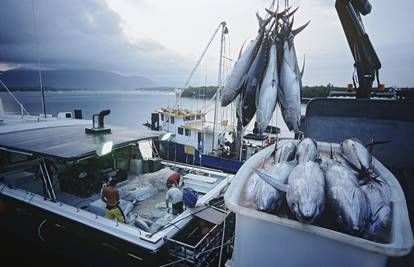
[267, 73]
[253, 81]
[267, 95]
[346, 200]
[267, 197]
[358, 157]
[307, 150]
[379, 199]
[285, 153]
[305, 191]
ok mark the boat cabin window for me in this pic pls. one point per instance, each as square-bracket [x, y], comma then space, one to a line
[145, 148]
[187, 132]
[172, 120]
[180, 131]
[162, 117]
[193, 118]
[187, 118]
[198, 117]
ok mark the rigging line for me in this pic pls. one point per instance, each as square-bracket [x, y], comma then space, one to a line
[38, 59]
[22, 108]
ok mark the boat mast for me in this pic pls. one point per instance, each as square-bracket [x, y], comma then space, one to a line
[224, 31]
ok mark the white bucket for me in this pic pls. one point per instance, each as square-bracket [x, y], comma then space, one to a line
[263, 239]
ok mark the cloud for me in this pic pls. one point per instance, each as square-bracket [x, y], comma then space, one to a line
[80, 34]
[163, 39]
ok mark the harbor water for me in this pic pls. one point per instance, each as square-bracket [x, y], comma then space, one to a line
[128, 108]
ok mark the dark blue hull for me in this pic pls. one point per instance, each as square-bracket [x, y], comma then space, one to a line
[176, 152]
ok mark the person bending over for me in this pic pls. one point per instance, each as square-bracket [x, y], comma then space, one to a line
[176, 197]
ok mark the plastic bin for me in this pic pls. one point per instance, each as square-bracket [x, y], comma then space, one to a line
[263, 239]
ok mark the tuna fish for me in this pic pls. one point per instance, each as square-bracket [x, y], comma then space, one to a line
[290, 80]
[267, 197]
[253, 81]
[305, 191]
[267, 95]
[234, 81]
[307, 150]
[379, 199]
[233, 85]
[358, 157]
[286, 153]
[346, 199]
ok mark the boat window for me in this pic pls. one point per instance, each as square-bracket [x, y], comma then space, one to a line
[187, 118]
[187, 132]
[162, 117]
[172, 120]
[180, 131]
[145, 148]
[193, 118]
[198, 117]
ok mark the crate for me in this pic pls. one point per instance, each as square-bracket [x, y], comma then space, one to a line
[189, 249]
[263, 239]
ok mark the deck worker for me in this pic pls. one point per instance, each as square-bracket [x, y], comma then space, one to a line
[174, 178]
[176, 197]
[110, 195]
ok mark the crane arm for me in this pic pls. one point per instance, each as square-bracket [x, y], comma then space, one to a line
[367, 63]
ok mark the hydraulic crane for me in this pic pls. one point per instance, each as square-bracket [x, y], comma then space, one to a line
[367, 63]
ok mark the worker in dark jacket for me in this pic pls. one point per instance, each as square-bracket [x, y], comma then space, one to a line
[110, 195]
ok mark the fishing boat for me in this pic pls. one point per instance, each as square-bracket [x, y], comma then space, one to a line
[193, 139]
[51, 174]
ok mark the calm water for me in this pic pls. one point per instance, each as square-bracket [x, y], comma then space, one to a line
[127, 108]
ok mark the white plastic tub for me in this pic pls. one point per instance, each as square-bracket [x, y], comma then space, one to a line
[263, 239]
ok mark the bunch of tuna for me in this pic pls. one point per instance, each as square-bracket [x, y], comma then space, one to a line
[344, 183]
[267, 72]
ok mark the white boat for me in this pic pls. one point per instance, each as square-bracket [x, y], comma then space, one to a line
[50, 178]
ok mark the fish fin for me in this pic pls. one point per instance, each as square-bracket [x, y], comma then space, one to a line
[373, 143]
[301, 28]
[241, 49]
[303, 67]
[272, 181]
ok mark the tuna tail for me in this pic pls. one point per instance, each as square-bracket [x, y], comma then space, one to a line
[281, 14]
[272, 181]
[292, 13]
[260, 20]
[301, 28]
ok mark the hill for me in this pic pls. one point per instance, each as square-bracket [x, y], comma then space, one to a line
[74, 79]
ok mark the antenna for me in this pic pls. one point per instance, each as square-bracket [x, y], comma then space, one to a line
[38, 60]
[224, 31]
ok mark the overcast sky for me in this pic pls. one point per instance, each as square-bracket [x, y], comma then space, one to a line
[162, 39]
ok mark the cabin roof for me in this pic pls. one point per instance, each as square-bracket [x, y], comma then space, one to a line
[65, 141]
[202, 127]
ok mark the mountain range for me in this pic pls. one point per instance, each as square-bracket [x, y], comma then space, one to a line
[73, 79]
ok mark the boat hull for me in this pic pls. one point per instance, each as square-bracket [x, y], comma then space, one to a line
[49, 239]
[178, 152]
